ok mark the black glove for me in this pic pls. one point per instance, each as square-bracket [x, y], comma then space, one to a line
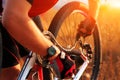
[86, 27]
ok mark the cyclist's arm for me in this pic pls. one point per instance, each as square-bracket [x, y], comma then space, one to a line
[22, 28]
[94, 8]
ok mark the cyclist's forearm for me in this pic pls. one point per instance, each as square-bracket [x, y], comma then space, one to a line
[94, 8]
[26, 32]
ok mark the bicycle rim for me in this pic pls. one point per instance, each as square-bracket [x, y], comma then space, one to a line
[64, 27]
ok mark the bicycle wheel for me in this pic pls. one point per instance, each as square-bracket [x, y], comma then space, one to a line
[64, 27]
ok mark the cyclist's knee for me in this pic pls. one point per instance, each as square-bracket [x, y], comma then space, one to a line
[10, 73]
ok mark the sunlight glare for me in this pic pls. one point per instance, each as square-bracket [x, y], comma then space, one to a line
[114, 3]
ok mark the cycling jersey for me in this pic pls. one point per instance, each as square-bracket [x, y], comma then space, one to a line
[38, 6]
[41, 6]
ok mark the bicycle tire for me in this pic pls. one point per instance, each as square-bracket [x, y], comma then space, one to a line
[62, 14]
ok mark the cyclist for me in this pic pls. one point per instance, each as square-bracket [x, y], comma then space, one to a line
[19, 25]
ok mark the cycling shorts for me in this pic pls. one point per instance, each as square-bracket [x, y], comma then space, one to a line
[11, 49]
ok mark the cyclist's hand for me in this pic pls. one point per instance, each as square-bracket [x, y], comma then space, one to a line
[67, 65]
[86, 27]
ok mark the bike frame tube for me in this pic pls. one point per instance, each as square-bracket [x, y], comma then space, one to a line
[81, 70]
[40, 73]
[29, 63]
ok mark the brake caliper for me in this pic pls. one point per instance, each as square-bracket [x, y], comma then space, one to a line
[88, 49]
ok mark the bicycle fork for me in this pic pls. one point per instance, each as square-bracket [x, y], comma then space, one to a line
[81, 70]
[28, 65]
[82, 67]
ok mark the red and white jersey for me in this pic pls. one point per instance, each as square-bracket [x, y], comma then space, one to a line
[41, 6]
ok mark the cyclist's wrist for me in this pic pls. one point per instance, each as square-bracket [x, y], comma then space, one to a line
[52, 52]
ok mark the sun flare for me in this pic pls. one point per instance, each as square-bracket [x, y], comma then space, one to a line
[113, 3]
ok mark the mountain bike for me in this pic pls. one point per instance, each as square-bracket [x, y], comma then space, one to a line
[85, 51]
